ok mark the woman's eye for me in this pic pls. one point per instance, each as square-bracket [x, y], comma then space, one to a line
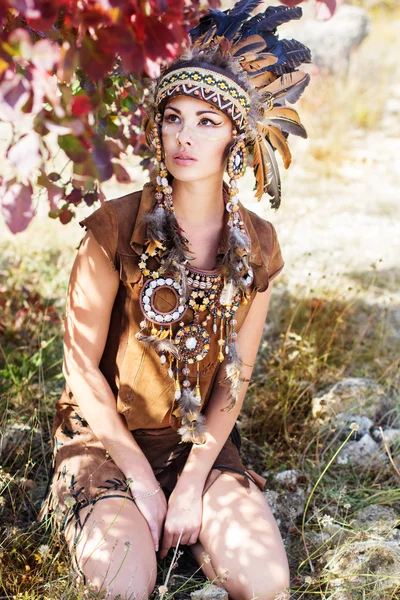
[170, 118]
[208, 120]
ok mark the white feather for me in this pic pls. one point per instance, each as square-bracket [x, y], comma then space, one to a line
[228, 293]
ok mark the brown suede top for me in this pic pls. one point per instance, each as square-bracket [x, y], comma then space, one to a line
[143, 389]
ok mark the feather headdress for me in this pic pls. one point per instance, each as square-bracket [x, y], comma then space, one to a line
[238, 63]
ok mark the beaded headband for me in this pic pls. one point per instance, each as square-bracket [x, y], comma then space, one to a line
[208, 85]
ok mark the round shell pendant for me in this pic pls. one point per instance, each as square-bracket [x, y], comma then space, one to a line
[193, 342]
[148, 307]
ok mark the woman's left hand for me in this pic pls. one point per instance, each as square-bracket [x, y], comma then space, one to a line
[184, 513]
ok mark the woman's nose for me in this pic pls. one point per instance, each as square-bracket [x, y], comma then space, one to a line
[184, 136]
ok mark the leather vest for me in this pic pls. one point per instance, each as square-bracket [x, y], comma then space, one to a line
[143, 389]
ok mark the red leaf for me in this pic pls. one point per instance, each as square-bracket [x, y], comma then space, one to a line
[68, 62]
[74, 197]
[81, 105]
[90, 198]
[93, 60]
[17, 207]
[65, 216]
[290, 2]
[44, 17]
[121, 173]
[325, 9]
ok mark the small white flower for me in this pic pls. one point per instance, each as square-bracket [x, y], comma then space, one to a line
[162, 590]
[44, 551]
[326, 520]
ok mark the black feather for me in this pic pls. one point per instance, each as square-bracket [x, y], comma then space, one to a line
[244, 7]
[227, 23]
[271, 18]
[279, 15]
[290, 54]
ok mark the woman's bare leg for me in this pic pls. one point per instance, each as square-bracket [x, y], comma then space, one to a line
[240, 534]
[115, 550]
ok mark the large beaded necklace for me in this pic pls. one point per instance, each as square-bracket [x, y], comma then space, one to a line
[203, 292]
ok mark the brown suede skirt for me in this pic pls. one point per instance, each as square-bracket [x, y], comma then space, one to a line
[83, 473]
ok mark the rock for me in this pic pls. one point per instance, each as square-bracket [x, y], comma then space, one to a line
[377, 520]
[373, 565]
[391, 436]
[210, 592]
[344, 421]
[362, 453]
[352, 395]
[287, 497]
[288, 478]
[332, 42]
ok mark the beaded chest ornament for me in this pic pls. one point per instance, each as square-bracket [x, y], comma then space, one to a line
[217, 294]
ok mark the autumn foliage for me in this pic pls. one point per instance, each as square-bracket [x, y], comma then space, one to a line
[73, 76]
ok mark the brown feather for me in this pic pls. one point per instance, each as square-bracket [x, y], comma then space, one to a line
[262, 61]
[253, 43]
[279, 142]
[287, 119]
[262, 79]
[207, 38]
[285, 112]
[287, 82]
[260, 166]
[265, 168]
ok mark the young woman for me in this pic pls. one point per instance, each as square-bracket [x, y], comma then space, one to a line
[166, 306]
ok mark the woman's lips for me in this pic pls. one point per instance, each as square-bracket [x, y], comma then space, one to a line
[184, 161]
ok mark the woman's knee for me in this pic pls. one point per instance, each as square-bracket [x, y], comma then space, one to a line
[114, 550]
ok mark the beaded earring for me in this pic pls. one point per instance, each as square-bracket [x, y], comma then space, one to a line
[236, 168]
[163, 193]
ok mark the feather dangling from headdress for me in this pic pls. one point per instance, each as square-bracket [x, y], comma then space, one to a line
[266, 169]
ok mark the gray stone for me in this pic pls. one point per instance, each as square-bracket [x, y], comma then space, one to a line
[350, 396]
[287, 478]
[288, 500]
[377, 520]
[344, 421]
[362, 453]
[391, 436]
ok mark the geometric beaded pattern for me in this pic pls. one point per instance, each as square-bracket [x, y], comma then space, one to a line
[213, 87]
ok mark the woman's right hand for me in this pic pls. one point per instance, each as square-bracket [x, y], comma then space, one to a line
[153, 508]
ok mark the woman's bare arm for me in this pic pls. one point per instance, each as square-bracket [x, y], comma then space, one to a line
[220, 423]
[92, 290]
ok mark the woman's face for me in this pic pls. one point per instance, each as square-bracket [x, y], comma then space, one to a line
[199, 130]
